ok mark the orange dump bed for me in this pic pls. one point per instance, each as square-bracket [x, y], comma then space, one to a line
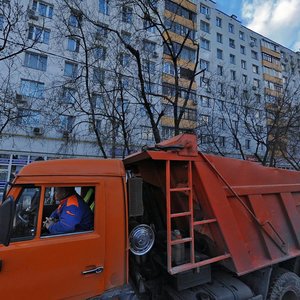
[250, 214]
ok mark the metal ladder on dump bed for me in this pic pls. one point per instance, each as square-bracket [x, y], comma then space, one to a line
[187, 214]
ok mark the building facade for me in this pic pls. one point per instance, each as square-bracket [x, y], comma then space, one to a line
[107, 78]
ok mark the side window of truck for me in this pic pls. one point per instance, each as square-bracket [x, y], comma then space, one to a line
[25, 220]
[68, 214]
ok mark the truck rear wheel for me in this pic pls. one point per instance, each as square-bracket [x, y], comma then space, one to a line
[284, 285]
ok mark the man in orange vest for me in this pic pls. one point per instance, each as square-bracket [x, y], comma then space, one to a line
[72, 214]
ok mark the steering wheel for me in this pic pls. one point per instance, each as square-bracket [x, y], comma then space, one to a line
[22, 218]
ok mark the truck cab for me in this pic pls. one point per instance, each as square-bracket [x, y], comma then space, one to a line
[80, 264]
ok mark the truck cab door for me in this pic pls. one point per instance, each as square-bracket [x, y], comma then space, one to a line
[37, 265]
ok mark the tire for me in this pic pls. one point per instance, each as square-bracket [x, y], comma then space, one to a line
[284, 285]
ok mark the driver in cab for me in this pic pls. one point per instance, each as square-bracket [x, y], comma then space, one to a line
[72, 214]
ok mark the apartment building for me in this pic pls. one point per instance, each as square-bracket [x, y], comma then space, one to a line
[91, 76]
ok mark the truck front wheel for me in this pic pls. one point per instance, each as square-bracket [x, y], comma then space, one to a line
[284, 285]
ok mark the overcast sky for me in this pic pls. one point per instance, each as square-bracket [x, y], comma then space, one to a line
[278, 20]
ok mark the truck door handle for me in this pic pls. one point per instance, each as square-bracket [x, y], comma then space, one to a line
[96, 270]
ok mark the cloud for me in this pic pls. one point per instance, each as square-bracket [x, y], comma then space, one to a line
[275, 19]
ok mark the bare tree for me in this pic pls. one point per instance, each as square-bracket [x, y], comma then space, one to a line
[143, 15]
[15, 35]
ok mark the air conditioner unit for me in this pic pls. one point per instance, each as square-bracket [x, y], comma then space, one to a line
[254, 88]
[252, 44]
[32, 15]
[207, 17]
[155, 54]
[38, 130]
[21, 99]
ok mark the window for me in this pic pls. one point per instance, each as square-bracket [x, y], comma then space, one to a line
[149, 46]
[99, 76]
[101, 31]
[26, 214]
[127, 14]
[126, 36]
[254, 54]
[222, 141]
[1, 22]
[232, 59]
[188, 113]
[205, 43]
[104, 7]
[219, 38]
[80, 194]
[73, 45]
[204, 64]
[69, 95]
[149, 26]
[232, 75]
[43, 9]
[180, 29]
[35, 61]
[236, 144]
[204, 101]
[231, 28]
[221, 105]
[100, 53]
[148, 66]
[270, 45]
[188, 54]
[222, 123]
[256, 83]
[98, 101]
[232, 91]
[220, 70]
[242, 35]
[231, 43]
[243, 49]
[168, 68]
[218, 22]
[180, 11]
[270, 58]
[32, 88]
[244, 78]
[147, 133]
[204, 26]
[255, 69]
[70, 69]
[243, 64]
[38, 34]
[247, 144]
[220, 88]
[167, 132]
[66, 122]
[124, 59]
[219, 54]
[204, 9]
[258, 98]
[204, 120]
[74, 20]
[253, 41]
[29, 118]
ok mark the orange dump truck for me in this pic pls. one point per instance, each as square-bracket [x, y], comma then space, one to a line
[169, 223]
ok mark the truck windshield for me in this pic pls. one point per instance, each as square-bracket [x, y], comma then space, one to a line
[25, 219]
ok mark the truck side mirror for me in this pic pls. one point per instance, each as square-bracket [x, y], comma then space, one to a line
[5, 190]
[7, 213]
